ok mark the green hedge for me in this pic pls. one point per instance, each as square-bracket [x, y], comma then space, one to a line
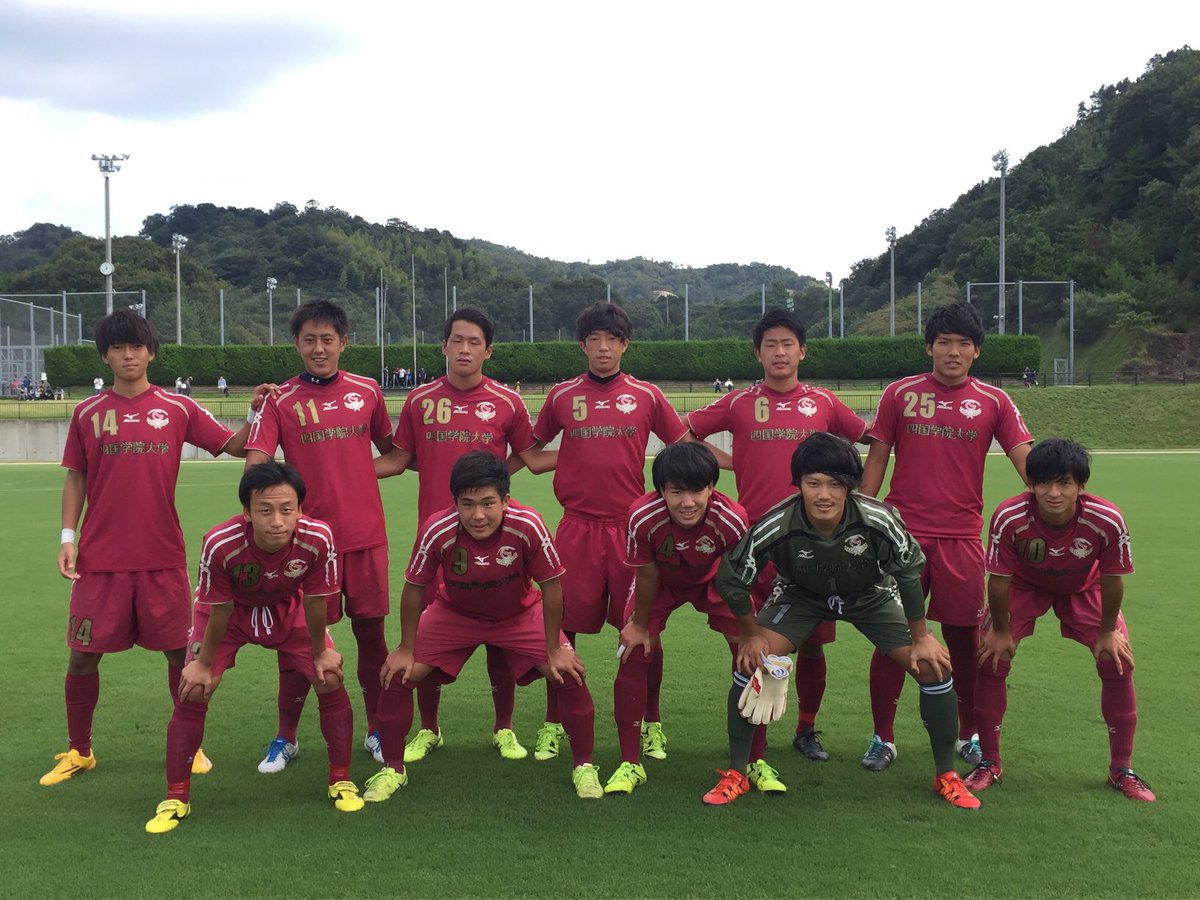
[859, 357]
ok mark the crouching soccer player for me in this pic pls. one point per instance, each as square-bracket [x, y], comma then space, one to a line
[488, 548]
[838, 555]
[265, 578]
[1058, 547]
[675, 540]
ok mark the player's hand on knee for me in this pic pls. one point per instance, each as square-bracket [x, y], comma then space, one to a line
[399, 662]
[563, 664]
[196, 683]
[751, 649]
[997, 647]
[329, 668]
[928, 651]
[1116, 647]
[633, 635]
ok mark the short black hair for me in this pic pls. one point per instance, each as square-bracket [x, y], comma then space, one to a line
[320, 311]
[779, 318]
[690, 466]
[479, 469]
[954, 318]
[268, 474]
[1052, 458]
[124, 326]
[827, 454]
[475, 316]
[602, 316]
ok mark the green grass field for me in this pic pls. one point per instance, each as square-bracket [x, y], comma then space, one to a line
[471, 824]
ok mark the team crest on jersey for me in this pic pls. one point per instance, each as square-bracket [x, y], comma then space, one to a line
[970, 408]
[806, 406]
[295, 568]
[626, 403]
[706, 545]
[131, 418]
[485, 411]
[1081, 548]
[506, 556]
[354, 401]
[157, 418]
[856, 545]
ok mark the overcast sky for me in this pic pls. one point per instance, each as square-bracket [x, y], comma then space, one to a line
[786, 133]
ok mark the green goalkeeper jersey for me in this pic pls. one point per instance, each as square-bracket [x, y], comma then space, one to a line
[869, 557]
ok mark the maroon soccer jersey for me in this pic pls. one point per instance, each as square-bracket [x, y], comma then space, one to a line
[766, 426]
[488, 579]
[440, 423]
[1063, 560]
[686, 558]
[129, 450]
[605, 429]
[233, 567]
[940, 436]
[326, 431]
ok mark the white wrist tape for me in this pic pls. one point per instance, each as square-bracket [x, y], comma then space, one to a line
[68, 535]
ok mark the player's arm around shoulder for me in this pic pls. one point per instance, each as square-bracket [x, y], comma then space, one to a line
[74, 492]
[236, 445]
[393, 462]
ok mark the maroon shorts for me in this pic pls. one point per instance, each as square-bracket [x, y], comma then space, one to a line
[446, 639]
[112, 611]
[953, 580]
[1078, 614]
[281, 628]
[824, 633]
[704, 598]
[364, 585]
[597, 581]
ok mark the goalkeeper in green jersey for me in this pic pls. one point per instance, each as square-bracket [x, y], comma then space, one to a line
[839, 555]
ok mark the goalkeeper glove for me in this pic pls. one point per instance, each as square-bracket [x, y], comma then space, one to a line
[764, 699]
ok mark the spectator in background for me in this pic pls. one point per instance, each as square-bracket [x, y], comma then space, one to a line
[728, 385]
[98, 384]
[1030, 378]
[717, 385]
[222, 385]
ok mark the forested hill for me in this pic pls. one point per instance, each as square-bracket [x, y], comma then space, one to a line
[1113, 204]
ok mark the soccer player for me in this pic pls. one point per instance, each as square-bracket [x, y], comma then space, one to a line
[940, 426]
[488, 549]
[129, 582]
[265, 577]
[766, 422]
[1059, 547]
[675, 537]
[462, 411]
[838, 555]
[605, 418]
[327, 421]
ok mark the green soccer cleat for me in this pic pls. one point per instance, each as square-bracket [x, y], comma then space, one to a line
[422, 745]
[764, 778]
[69, 765]
[383, 784]
[167, 816]
[654, 742]
[344, 795]
[627, 777]
[549, 737]
[505, 740]
[587, 782]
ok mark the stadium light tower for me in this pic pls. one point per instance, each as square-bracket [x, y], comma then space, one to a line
[829, 282]
[1000, 158]
[890, 234]
[108, 166]
[271, 285]
[178, 242]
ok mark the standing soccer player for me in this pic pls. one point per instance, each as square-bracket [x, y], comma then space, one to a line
[838, 555]
[129, 582]
[265, 577]
[675, 537]
[605, 418]
[941, 426]
[766, 422]
[327, 421]
[462, 411]
[488, 549]
[1058, 547]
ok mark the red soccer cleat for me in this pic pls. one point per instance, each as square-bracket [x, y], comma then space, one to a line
[1129, 784]
[954, 792]
[983, 776]
[731, 786]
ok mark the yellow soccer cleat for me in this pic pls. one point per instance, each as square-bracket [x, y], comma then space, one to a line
[69, 765]
[201, 764]
[384, 783]
[422, 745]
[505, 740]
[167, 816]
[586, 778]
[344, 795]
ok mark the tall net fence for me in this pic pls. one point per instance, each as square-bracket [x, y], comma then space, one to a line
[29, 323]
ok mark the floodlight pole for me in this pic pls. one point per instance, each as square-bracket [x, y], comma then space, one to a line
[686, 322]
[108, 166]
[271, 285]
[842, 308]
[829, 282]
[890, 234]
[178, 242]
[1000, 158]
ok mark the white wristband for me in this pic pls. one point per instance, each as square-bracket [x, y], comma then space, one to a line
[251, 415]
[68, 535]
